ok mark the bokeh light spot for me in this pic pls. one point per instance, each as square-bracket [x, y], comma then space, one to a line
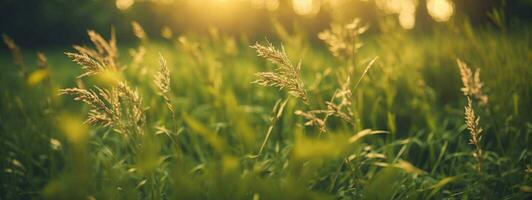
[440, 10]
[124, 4]
[306, 7]
[407, 20]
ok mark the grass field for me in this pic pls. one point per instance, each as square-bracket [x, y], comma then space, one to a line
[188, 119]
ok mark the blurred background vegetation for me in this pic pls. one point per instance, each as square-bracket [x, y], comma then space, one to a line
[205, 146]
[60, 22]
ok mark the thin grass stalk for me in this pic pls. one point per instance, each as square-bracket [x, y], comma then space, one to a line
[277, 113]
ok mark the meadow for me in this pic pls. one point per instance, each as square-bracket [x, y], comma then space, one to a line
[443, 114]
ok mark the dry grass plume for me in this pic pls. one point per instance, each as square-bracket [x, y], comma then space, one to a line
[285, 75]
[472, 84]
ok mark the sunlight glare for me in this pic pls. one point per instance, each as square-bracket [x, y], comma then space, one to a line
[407, 14]
[389, 6]
[407, 20]
[405, 10]
[440, 10]
[257, 4]
[306, 7]
[124, 4]
[270, 5]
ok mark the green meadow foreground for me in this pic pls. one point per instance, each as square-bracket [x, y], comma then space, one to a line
[342, 115]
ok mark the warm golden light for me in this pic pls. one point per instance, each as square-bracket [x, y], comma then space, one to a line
[257, 4]
[389, 6]
[270, 5]
[408, 6]
[407, 20]
[306, 7]
[124, 4]
[166, 32]
[405, 10]
[440, 10]
[407, 14]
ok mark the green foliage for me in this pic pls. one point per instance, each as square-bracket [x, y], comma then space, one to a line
[205, 121]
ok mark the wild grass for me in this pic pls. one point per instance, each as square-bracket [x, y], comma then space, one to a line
[16, 54]
[472, 84]
[340, 124]
[285, 76]
[473, 125]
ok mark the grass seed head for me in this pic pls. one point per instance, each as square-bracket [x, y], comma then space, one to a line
[343, 40]
[472, 84]
[16, 54]
[138, 31]
[95, 61]
[475, 131]
[162, 81]
[285, 75]
[162, 77]
[42, 61]
[473, 123]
